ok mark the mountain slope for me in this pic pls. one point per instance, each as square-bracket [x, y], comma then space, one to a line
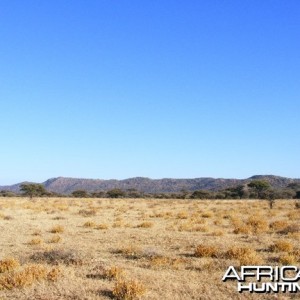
[66, 185]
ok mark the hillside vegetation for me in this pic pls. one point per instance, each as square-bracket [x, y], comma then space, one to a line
[62, 185]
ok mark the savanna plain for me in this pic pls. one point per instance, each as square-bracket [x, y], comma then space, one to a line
[71, 248]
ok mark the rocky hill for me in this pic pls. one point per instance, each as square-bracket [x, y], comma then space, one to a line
[65, 185]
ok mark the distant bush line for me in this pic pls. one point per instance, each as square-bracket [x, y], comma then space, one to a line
[256, 189]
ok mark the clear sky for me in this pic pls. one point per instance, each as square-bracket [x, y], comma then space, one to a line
[161, 88]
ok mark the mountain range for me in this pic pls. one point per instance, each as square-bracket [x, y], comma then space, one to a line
[64, 185]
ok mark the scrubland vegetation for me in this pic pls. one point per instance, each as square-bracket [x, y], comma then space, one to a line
[72, 248]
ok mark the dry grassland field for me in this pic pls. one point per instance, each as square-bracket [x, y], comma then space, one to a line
[64, 248]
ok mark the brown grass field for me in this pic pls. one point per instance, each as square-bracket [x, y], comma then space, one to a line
[64, 248]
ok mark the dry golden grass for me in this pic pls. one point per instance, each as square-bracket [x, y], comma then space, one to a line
[8, 264]
[218, 232]
[282, 246]
[178, 249]
[87, 212]
[54, 274]
[101, 226]
[128, 290]
[288, 259]
[159, 261]
[145, 225]
[37, 232]
[207, 214]
[54, 239]
[89, 224]
[257, 224]
[36, 241]
[253, 225]
[245, 256]
[130, 251]
[191, 226]
[57, 229]
[182, 215]
[241, 228]
[279, 225]
[113, 273]
[206, 251]
[28, 276]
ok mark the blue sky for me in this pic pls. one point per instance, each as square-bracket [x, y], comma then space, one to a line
[118, 89]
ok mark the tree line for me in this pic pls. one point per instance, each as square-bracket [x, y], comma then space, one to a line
[256, 189]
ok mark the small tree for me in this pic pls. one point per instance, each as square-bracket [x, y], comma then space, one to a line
[241, 191]
[294, 186]
[80, 194]
[297, 196]
[133, 193]
[33, 190]
[237, 192]
[99, 194]
[5, 193]
[115, 193]
[201, 194]
[259, 187]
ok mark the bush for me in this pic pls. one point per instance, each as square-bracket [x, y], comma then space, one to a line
[115, 193]
[80, 194]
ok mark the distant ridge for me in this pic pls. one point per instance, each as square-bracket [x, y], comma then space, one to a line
[65, 185]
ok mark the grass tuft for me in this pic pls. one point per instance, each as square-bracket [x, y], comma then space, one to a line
[57, 229]
[206, 251]
[128, 290]
[8, 264]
